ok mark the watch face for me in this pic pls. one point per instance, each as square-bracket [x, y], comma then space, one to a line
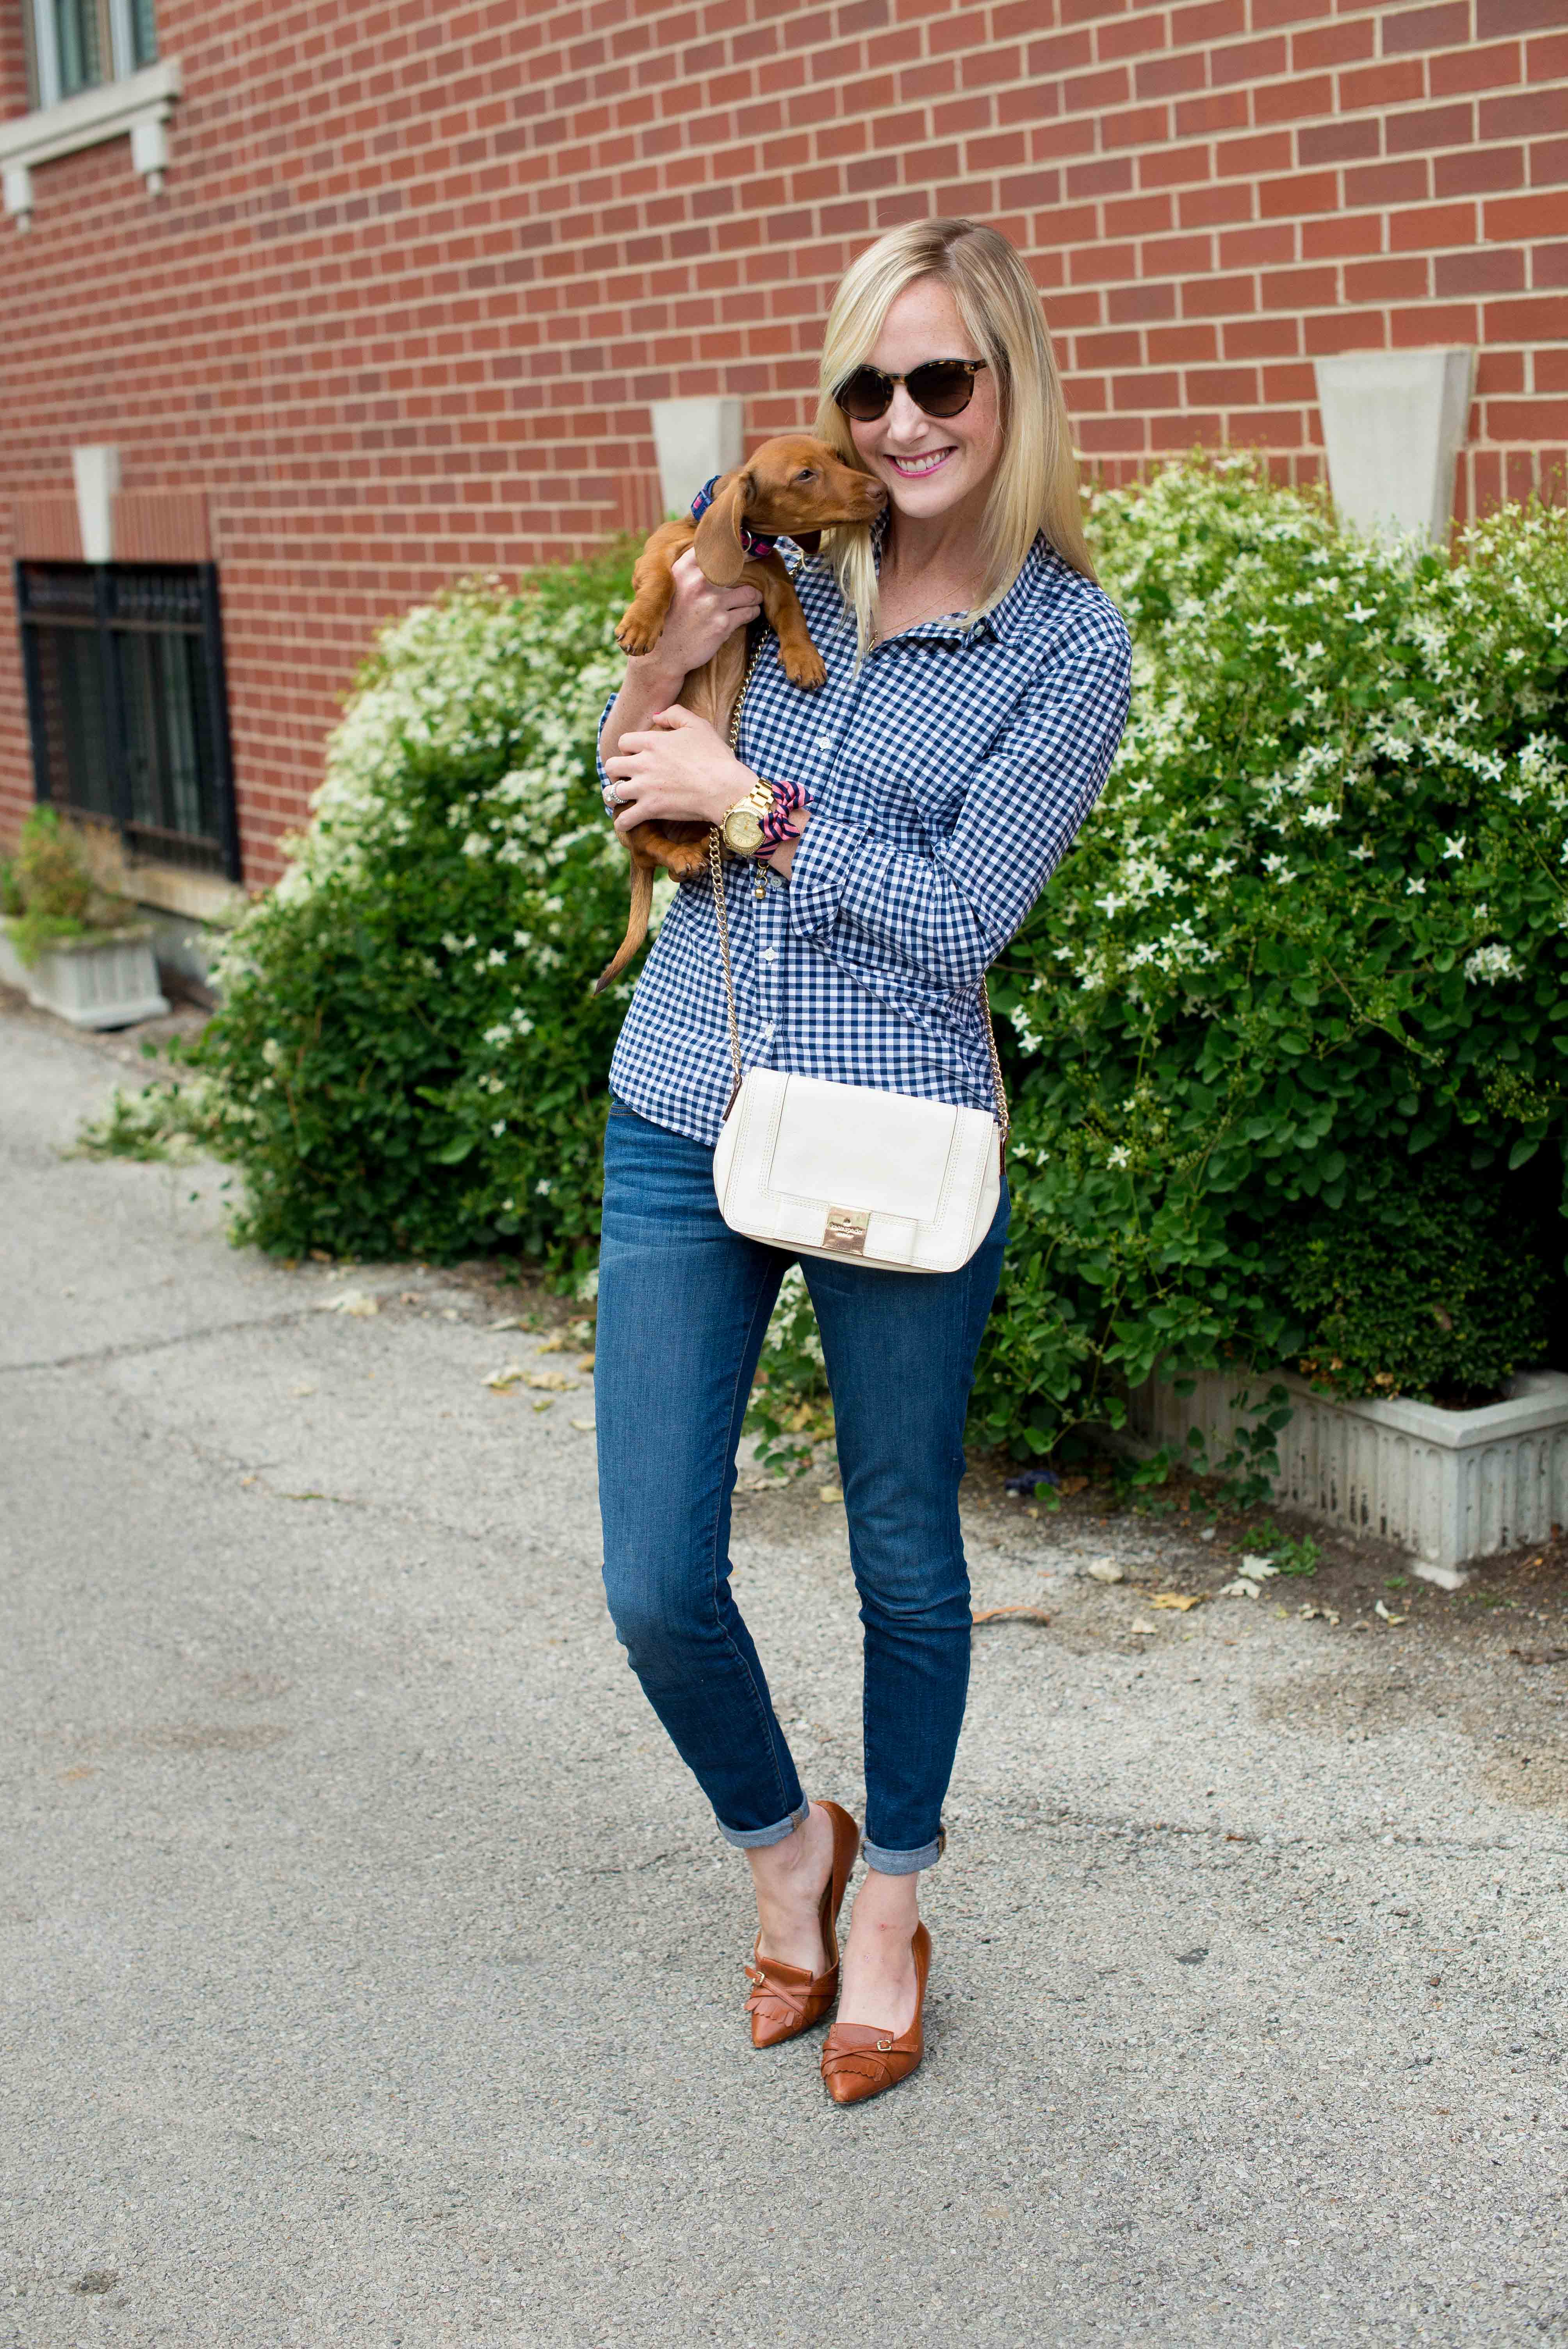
[742, 830]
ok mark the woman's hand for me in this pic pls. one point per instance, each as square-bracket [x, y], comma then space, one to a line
[701, 617]
[677, 767]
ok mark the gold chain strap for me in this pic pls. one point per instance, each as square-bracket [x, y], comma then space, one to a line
[715, 867]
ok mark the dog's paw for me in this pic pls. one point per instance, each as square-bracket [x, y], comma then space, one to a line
[637, 635]
[804, 665]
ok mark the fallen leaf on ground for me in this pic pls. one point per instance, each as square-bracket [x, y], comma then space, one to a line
[506, 1376]
[1381, 1610]
[1138, 1624]
[302, 1391]
[1181, 1600]
[507, 1322]
[543, 1406]
[358, 1302]
[556, 1343]
[1258, 1568]
[557, 1382]
[585, 1426]
[1011, 1615]
[829, 1493]
[1240, 1588]
[1318, 1615]
[1105, 1569]
[585, 1362]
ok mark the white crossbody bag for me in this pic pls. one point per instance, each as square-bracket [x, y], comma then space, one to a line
[849, 1171]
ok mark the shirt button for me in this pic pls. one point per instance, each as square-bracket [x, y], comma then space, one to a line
[824, 741]
[767, 1031]
[770, 953]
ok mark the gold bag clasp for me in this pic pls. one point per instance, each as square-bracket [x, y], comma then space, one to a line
[846, 1230]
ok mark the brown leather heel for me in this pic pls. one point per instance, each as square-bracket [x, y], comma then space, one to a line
[858, 2060]
[787, 1999]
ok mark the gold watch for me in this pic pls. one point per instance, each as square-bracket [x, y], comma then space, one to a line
[741, 827]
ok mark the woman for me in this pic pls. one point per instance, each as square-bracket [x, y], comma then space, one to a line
[977, 689]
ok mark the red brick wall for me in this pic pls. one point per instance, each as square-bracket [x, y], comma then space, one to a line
[12, 63]
[419, 270]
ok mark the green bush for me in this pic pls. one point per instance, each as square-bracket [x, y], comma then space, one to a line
[1439, 1292]
[48, 891]
[407, 1058]
[1309, 948]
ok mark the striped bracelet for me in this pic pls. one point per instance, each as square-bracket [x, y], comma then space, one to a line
[789, 800]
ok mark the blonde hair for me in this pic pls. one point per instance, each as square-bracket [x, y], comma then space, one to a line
[1035, 485]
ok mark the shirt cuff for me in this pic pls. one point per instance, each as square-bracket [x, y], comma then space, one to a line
[826, 856]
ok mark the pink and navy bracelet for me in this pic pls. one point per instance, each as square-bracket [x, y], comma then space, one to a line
[789, 800]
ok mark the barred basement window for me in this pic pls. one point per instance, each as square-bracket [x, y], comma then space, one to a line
[127, 707]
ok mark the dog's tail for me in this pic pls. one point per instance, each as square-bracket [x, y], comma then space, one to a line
[636, 927]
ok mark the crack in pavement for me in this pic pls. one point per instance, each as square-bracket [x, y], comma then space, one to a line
[157, 1345]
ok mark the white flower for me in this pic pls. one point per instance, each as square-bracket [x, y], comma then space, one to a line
[499, 1125]
[1456, 846]
[1119, 1157]
[1361, 852]
[1491, 963]
[1416, 886]
[1278, 869]
[1321, 816]
[542, 1187]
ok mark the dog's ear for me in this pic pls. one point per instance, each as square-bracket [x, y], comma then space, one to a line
[808, 541]
[720, 555]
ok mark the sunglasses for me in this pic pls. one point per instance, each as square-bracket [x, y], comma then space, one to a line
[939, 388]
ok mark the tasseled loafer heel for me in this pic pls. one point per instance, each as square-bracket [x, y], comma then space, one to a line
[858, 2060]
[787, 1999]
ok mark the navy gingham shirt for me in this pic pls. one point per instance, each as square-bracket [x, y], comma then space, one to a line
[946, 779]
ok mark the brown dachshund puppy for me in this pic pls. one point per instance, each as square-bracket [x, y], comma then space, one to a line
[792, 487]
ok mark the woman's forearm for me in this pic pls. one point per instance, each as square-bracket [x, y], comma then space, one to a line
[647, 690]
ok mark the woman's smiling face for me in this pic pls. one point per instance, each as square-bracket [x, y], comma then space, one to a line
[930, 463]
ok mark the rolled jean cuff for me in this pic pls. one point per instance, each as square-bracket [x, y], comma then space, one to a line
[754, 1838]
[904, 1863]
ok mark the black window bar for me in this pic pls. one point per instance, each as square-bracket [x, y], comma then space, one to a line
[126, 705]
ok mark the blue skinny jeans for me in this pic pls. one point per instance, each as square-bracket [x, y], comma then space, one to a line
[683, 1306]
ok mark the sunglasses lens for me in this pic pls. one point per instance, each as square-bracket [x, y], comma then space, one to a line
[867, 395]
[941, 388]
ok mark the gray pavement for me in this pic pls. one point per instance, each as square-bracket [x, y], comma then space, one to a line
[370, 1972]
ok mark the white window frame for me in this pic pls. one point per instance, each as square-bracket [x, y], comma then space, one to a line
[47, 57]
[136, 101]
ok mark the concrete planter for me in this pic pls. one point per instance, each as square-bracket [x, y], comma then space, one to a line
[1445, 1486]
[107, 979]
